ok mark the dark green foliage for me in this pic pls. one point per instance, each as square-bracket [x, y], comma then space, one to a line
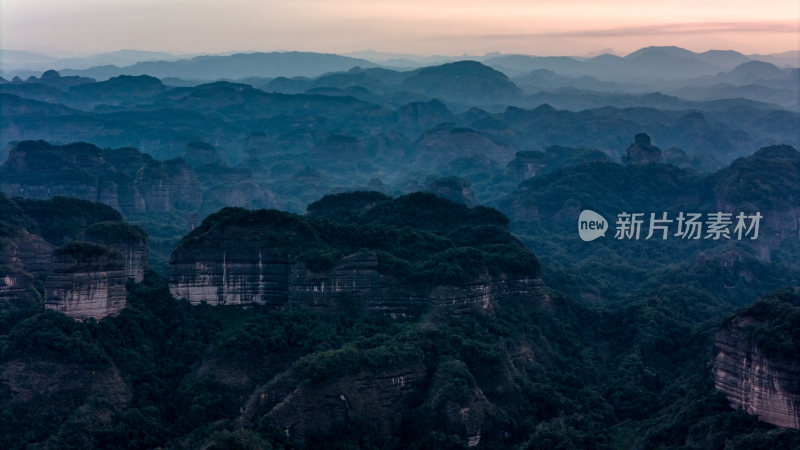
[776, 330]
[13, 311]
[338, 206]
[421, 239]
[61, 219]
[766, 180]
[12, 217]
[634, 375]
[109, 232]
[55, 336]
[81, 251]
[630, 371]
[431, 213]
[610, 188]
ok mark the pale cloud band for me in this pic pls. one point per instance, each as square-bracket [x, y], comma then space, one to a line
[411, 26]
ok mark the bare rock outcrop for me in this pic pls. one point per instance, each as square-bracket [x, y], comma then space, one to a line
[642, 151]
[86, 281]
[762, 382]
[239, 274]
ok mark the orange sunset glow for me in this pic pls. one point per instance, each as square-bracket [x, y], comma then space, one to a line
[543, 27]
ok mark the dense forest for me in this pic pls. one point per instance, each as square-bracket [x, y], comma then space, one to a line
[270, 256]
[540, 372]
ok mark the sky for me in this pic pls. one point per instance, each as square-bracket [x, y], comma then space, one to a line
[425, 27]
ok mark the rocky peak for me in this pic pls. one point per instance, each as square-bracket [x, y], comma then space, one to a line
[642, 151]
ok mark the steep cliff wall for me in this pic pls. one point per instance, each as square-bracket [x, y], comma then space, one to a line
[86, 281]
[14, 285]
[760, 383]
[240, 274]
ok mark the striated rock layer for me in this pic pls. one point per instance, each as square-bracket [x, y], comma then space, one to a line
[240, 273]
[86, 286]
[762, 386]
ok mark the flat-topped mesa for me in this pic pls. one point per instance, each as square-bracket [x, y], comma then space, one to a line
[86, 281]
[367, 263]
[756, 368]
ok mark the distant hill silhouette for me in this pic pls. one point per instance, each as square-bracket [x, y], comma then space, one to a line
[240, 65]
[650, 63]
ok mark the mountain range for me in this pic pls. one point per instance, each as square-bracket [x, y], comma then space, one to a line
[314, 251]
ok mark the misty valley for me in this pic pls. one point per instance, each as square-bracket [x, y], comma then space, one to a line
[306, 250]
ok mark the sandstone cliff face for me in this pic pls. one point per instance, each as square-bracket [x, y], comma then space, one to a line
[86, 287]
[766, 387]
[133, 254]
[14, 285]
[240, 274]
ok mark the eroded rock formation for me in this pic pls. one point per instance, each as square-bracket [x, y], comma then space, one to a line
[241, 274]
[762, 384]
[642, 151]
[86, 281]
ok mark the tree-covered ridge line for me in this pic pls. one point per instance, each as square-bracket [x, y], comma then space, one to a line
[61, 220]
[419, 238]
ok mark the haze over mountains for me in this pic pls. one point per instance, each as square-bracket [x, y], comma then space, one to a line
[564, 82]
[665, 61]
[304, 250]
